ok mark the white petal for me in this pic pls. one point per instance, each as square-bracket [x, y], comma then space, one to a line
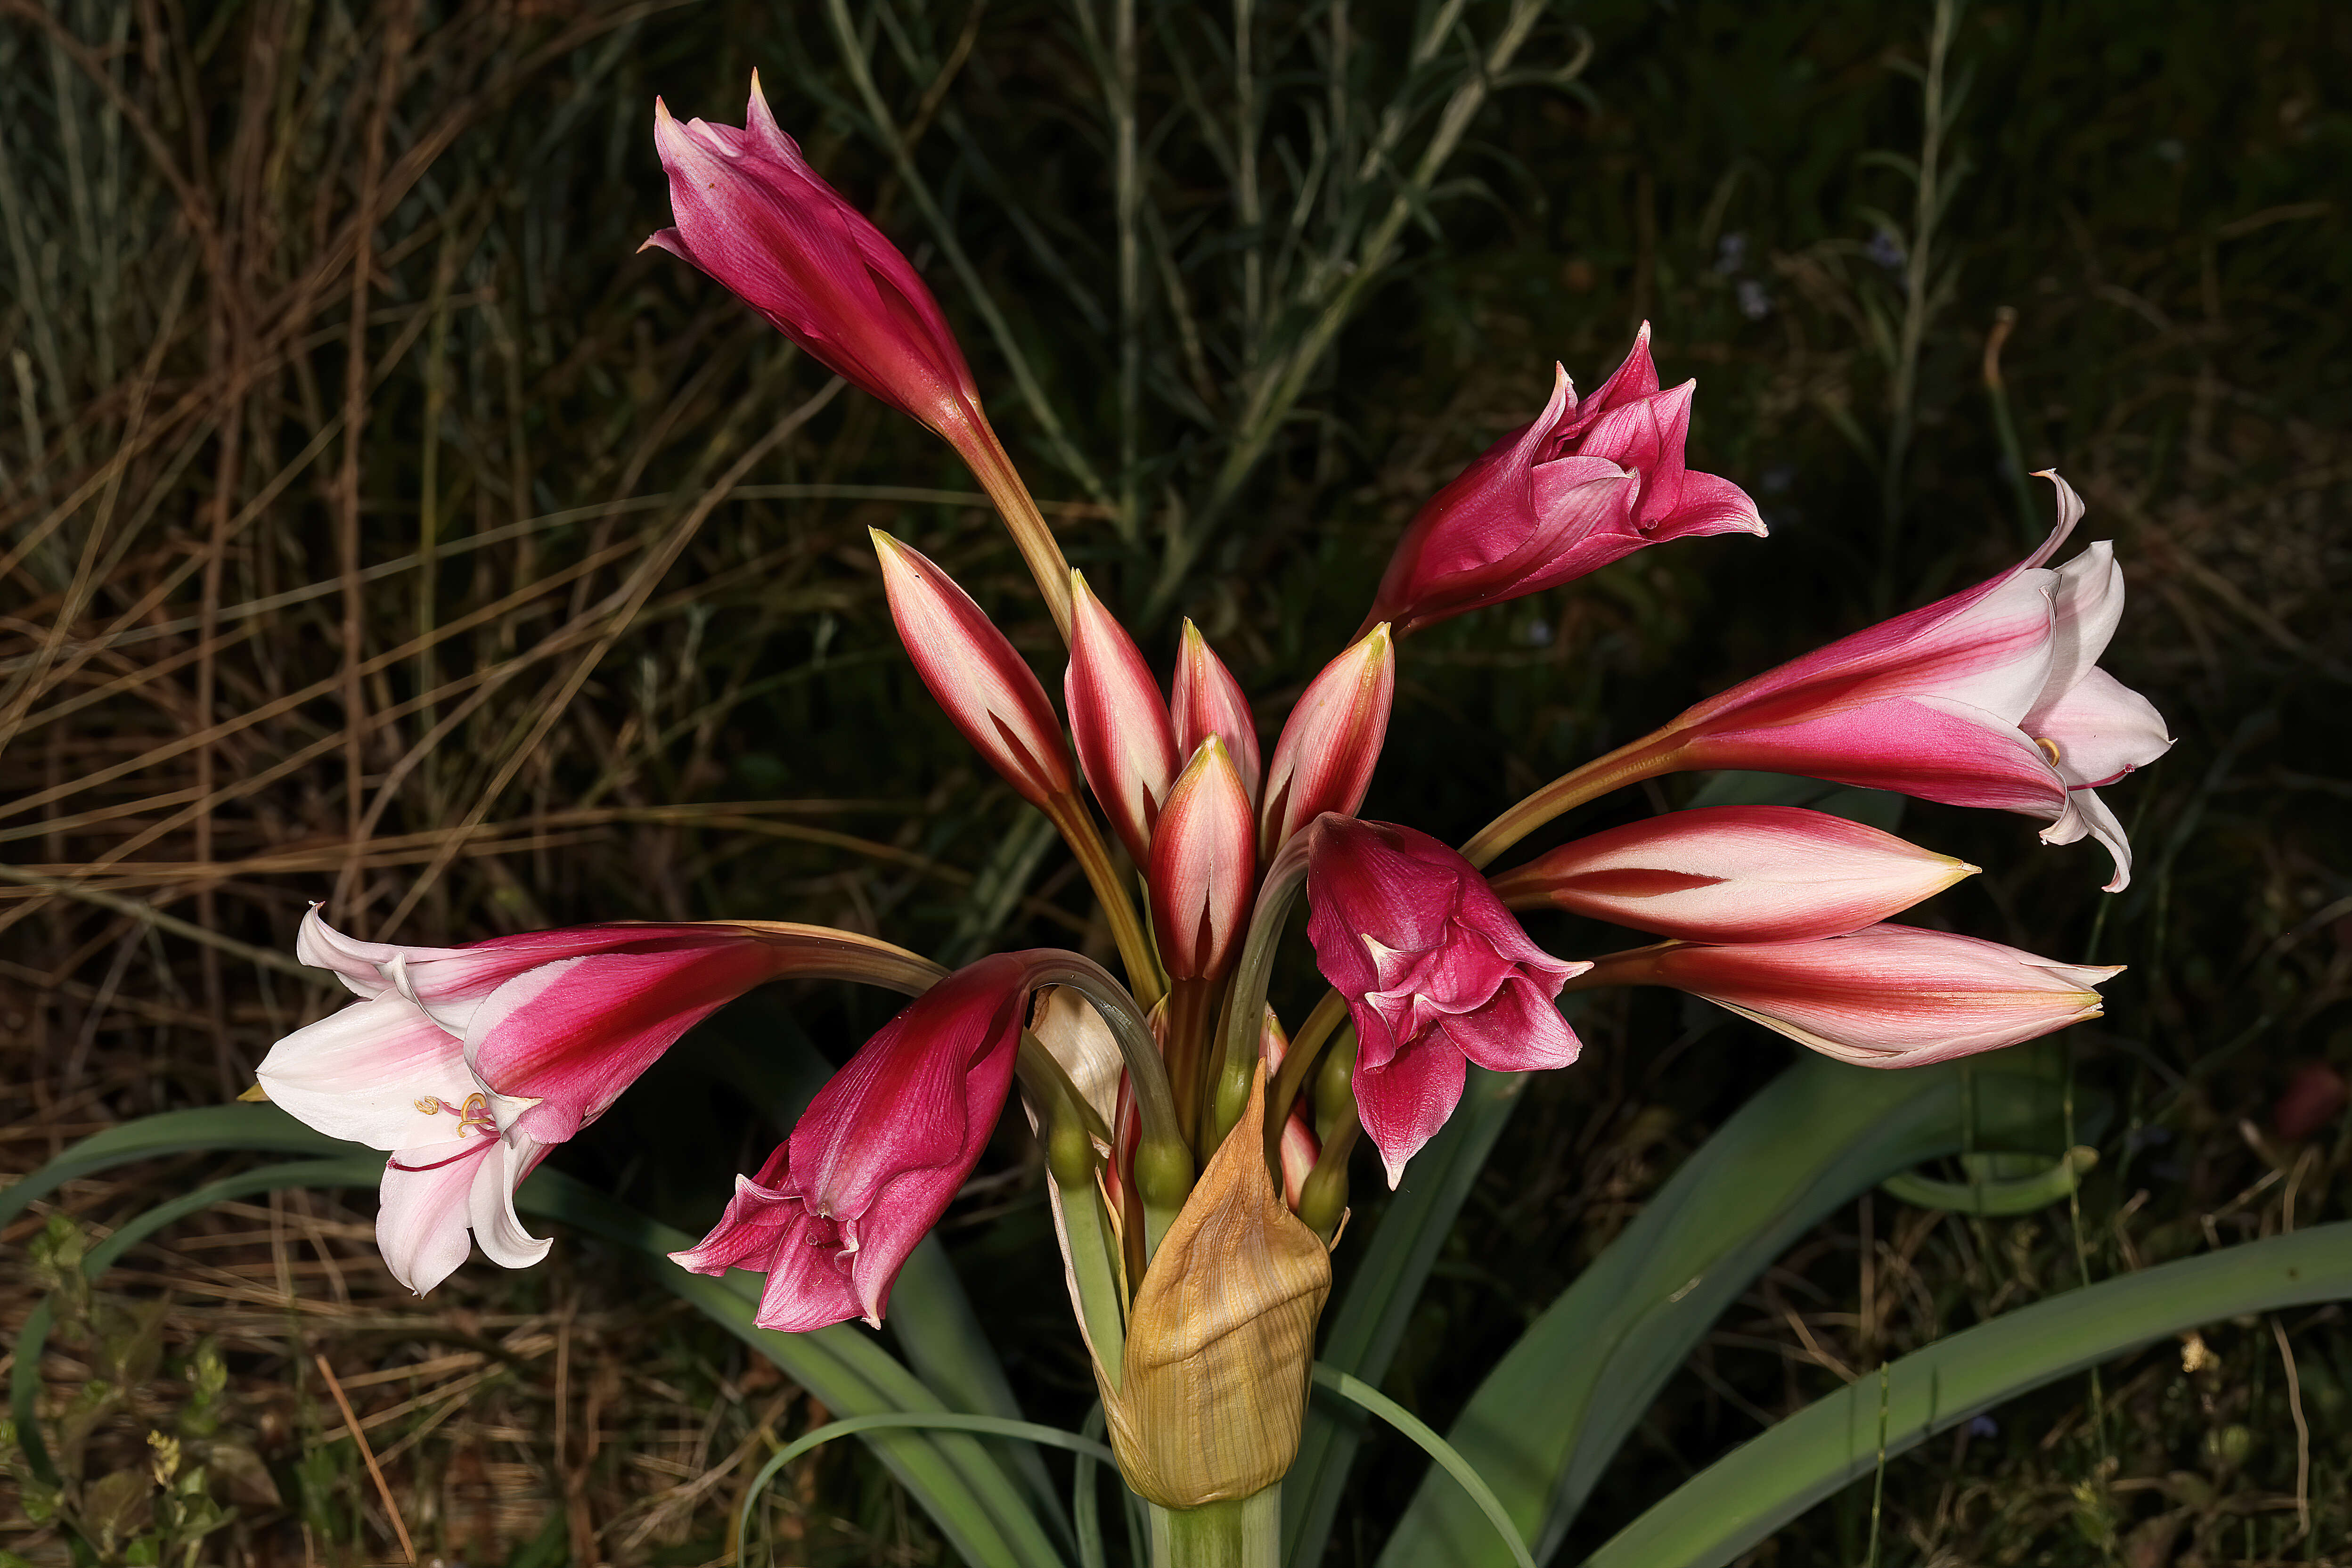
[491, 1206]
[2103, 729]
[2087, 814]
[378, 1072]
[2089, 603]
[1993, 653]
[420, 1222]
[354, 962]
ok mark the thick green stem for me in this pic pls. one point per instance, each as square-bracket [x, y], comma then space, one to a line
[1069, 814]
[1244, 1019]
[1243, 1534]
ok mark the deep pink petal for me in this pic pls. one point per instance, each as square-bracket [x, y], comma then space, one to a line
[1915, 747]
[1207, 700]
[1126, 745]
[1403, 1102]
[573, 1034]
[1331, 742]
[1203, 866]
[983, 683]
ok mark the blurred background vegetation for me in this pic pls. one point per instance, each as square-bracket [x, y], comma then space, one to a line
[377, 527]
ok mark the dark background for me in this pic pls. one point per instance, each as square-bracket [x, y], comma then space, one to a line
[2143, 205]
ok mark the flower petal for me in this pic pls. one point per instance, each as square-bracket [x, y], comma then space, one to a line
[378, 1072]
[421, 1216]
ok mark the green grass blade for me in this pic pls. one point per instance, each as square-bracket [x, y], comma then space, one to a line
[1435, 1446]
[257, 1129]
[1549, 1417]
[1730, 1507]
[983, 1512]
[903, 1420]
[1378, 1298]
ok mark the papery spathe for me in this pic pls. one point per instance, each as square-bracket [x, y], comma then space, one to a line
[877, 1158]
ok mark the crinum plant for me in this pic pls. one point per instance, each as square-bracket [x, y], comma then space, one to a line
[1198, 1154]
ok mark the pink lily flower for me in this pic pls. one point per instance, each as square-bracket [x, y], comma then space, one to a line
[754, 215]
[1331, 742]
[1989, 698]
[468, 1064]
[1435, 970]
[988, 690]
[1885, 996]
[1203, 866]
[878, 1156]
[1735, 873]
[1207, 700]
[1125, 744]
[1585, 484]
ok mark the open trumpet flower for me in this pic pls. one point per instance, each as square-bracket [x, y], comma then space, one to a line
[470, 1063]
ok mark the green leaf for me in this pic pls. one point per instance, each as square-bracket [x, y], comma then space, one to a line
[1549, 1417]
[1378, 1298]
[1731, 1506]
[25, 1375]
[983, 1510]
[1473, 1486]
[942, 1421]
[256, 1129]
[985, 1514]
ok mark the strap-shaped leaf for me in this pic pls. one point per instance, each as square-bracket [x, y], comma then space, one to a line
[1549, 1417]
[1732, 1505]
[983, 1510]
[1379, 1298]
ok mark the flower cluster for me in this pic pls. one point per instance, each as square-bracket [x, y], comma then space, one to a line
[1170, 1101]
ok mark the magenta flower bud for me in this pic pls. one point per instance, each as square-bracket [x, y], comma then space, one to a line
[1436, 972]
[1203, 866]
[1207, 700]
[1885, 997]
[1118, 719]
[1989, 698]
[753, 214]
[1331, 742]
[878, 1156]
[988, 690]
[1735, 873]
[470, 1063]
[1584, 485]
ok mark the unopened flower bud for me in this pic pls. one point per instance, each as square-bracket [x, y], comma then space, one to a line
[988, 690]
